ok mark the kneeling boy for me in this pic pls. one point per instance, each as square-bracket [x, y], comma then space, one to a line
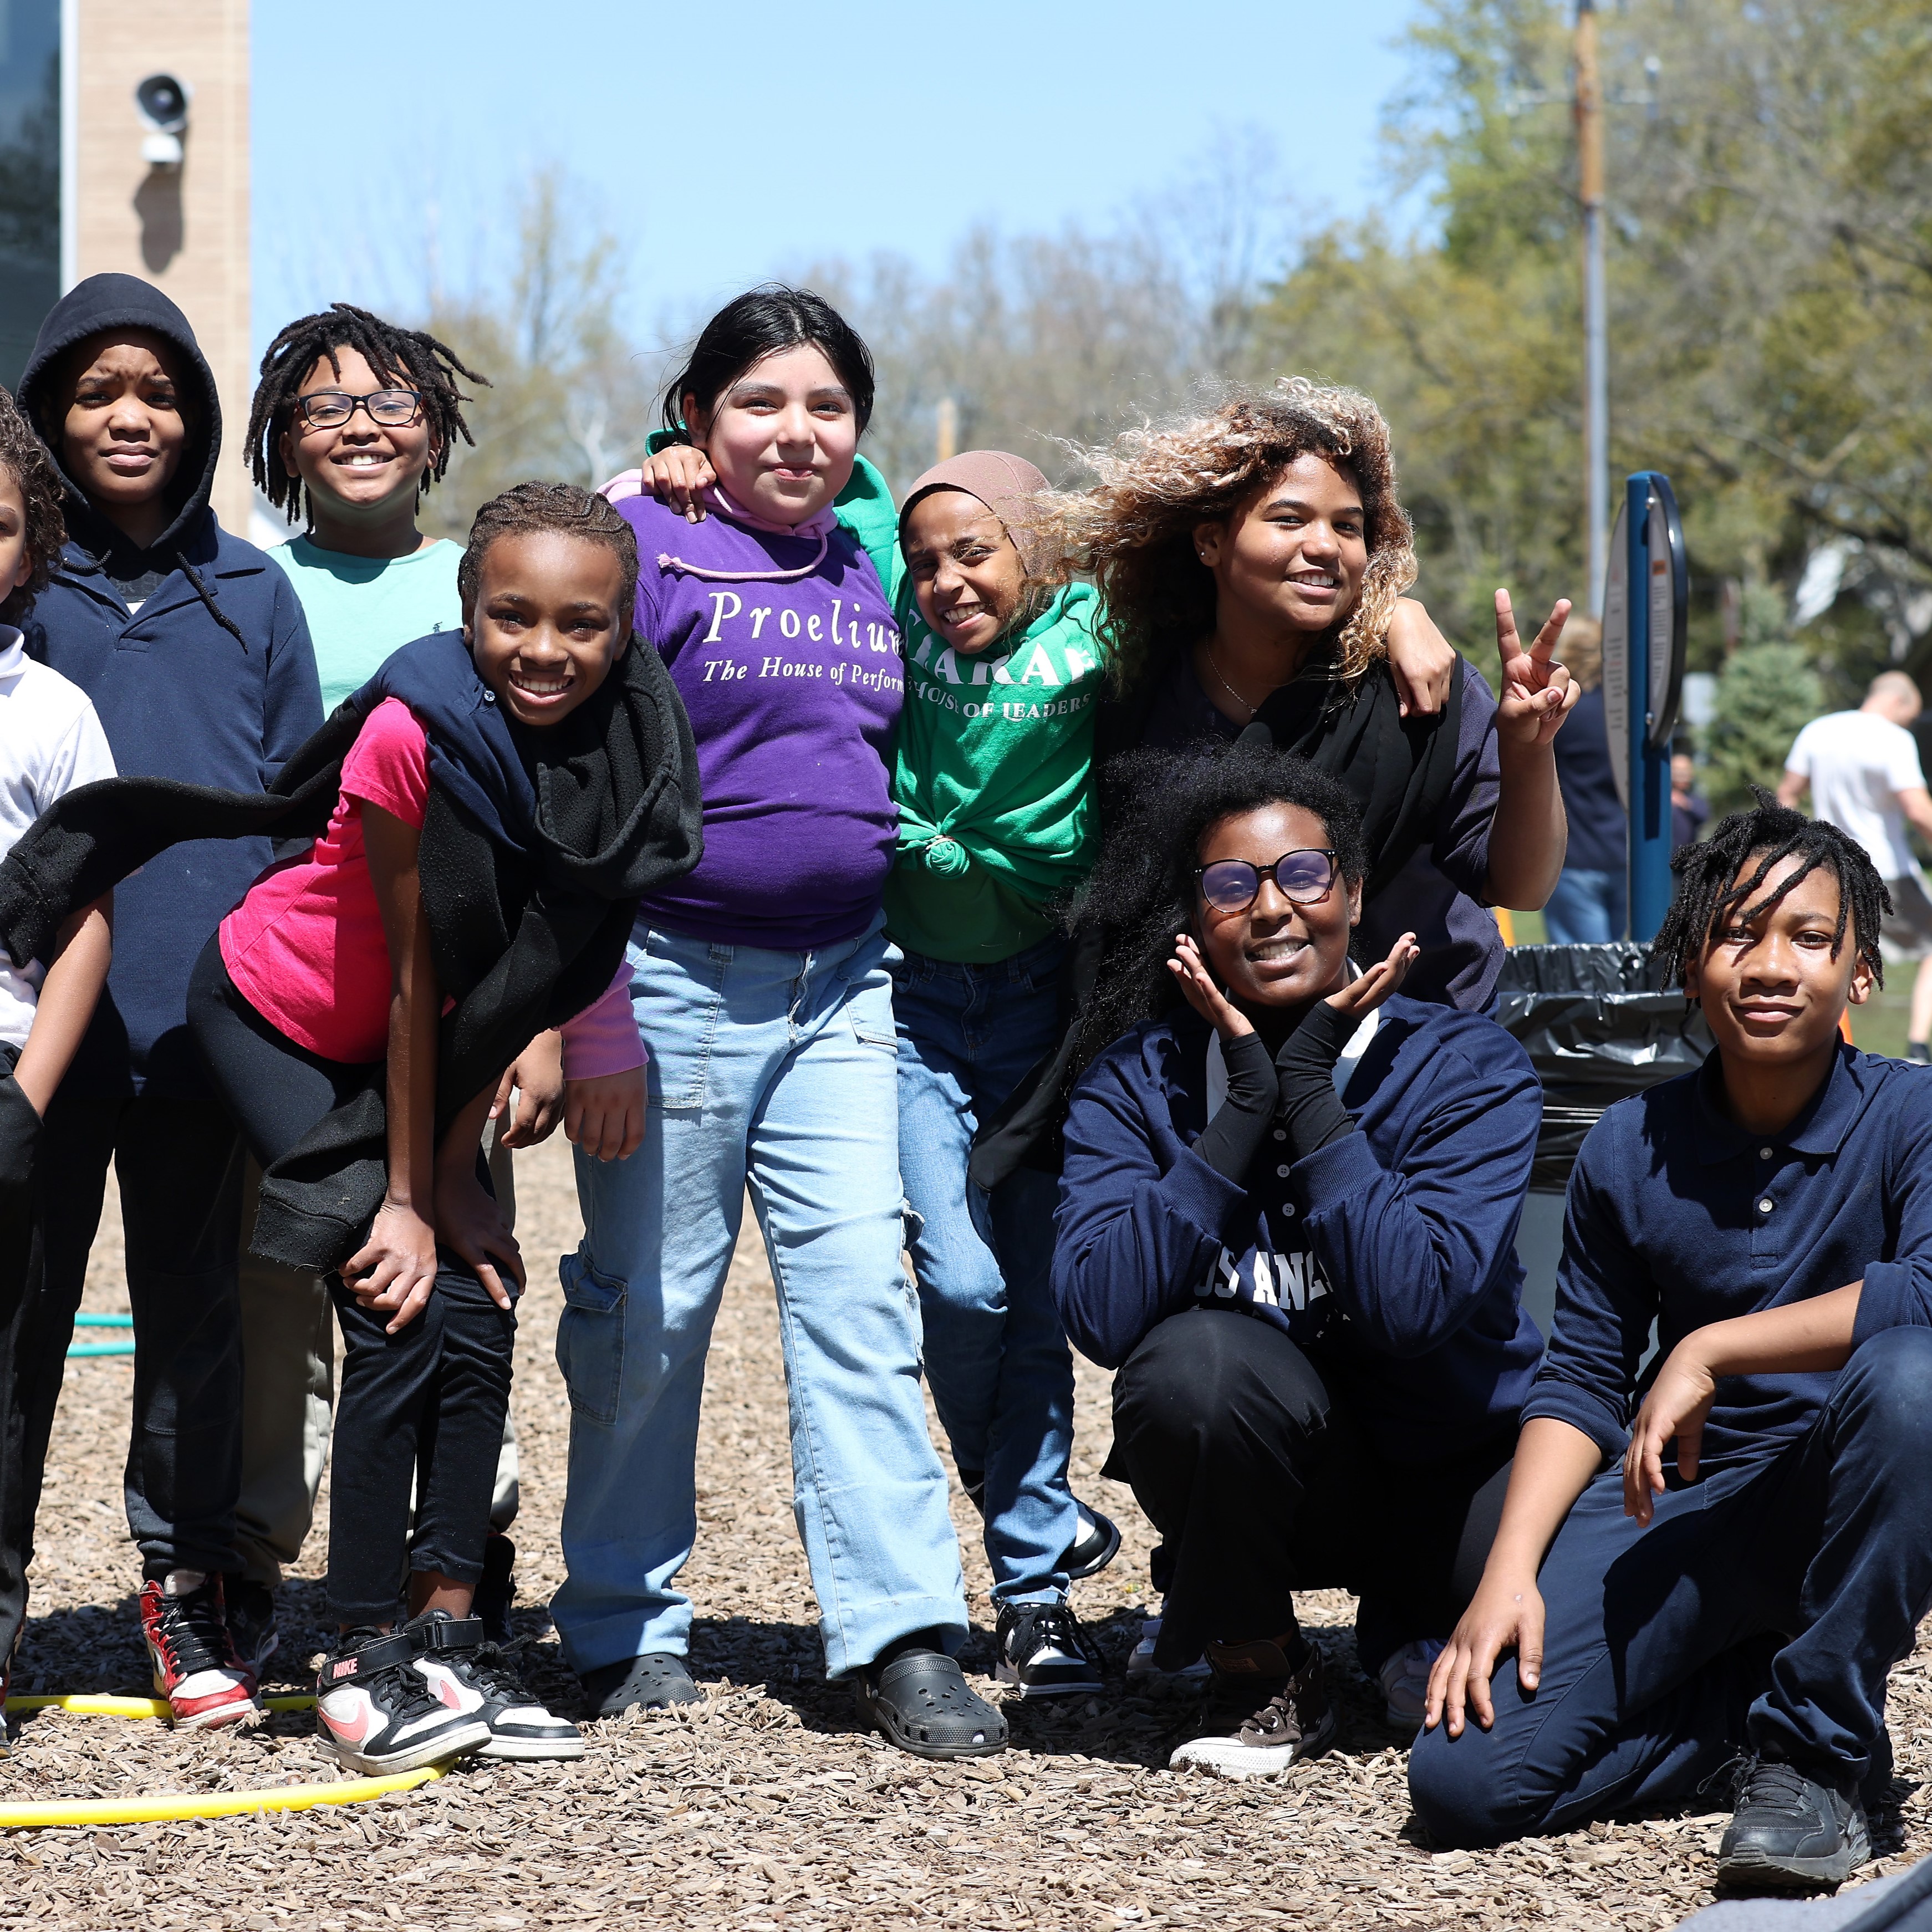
[1741, 1601]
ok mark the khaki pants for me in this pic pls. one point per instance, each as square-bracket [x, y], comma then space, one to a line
[288, 1396]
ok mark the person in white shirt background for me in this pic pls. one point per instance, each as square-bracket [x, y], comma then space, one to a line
[1863, 771]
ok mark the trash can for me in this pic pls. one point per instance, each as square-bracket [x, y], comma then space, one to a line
[1598, 1027]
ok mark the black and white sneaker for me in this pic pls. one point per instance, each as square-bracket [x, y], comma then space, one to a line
[454, 1656]
[379, 1713]
[1096, 1538]
[1044, 1651]
[1791, 1833]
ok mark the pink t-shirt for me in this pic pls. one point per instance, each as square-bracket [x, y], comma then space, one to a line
[306, 947]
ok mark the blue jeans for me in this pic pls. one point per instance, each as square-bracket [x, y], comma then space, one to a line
[1587, 908]
[996, 1355]
[1761, 1610]
[774, 1072]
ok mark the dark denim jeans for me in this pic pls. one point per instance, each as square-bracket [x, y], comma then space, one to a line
[996, 1356]
[1762, 1609]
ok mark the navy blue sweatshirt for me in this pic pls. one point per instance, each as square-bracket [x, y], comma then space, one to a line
[212, 680]
[1389, 1255]
[1678, 1217]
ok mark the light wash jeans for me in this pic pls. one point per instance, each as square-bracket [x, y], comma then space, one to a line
[773, 1071]
[1586, 908]
[996, 1354]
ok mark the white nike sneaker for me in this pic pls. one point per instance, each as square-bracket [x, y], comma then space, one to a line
[454, 1657]
[379, 1713]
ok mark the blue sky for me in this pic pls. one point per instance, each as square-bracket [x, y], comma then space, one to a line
[724, 143]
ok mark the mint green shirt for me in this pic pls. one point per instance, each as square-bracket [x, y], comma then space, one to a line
[360, 610]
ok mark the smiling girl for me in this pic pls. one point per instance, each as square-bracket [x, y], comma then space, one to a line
[491, 806]
[763, 985]
[354, 420]
[1252, 558]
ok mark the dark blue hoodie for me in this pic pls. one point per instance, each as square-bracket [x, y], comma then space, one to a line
[1388, 1256]
[211, 681]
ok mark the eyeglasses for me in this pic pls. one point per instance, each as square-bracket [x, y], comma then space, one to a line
[1233, 885]
[330, 409]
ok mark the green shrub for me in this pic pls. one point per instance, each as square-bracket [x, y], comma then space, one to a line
[1766, 694]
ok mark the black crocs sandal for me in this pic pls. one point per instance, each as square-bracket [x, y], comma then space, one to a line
[655, 1682]
[922, 1703]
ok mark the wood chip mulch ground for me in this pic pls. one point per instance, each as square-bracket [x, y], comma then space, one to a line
[765, 1809]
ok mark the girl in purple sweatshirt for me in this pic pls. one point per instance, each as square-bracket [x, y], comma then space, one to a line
[762, 982]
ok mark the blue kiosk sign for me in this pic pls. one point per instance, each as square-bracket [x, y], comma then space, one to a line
[1646, 599]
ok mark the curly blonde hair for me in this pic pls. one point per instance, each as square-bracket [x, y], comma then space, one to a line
[1134, 530]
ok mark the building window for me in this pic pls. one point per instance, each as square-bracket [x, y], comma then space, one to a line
[30, 164]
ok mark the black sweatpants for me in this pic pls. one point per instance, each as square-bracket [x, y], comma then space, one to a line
[427, 1402]
[1261, 1483]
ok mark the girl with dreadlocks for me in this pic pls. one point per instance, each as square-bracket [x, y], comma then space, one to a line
[1251, 559]
[354, 419]
[1729, 1595]
[1287, 1214]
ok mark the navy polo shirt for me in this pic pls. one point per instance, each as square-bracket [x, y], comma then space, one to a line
[1677, 1215]
[1388, 1256]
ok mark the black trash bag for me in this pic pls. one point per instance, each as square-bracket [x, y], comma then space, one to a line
[1598, 1027]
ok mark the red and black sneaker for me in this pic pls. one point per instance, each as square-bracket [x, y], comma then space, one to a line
[197, 1668]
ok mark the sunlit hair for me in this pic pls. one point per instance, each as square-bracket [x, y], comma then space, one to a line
[1718, 886]
[23, 459]
[1134, 529]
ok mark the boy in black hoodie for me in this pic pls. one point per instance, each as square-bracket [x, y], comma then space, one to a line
[193, 649]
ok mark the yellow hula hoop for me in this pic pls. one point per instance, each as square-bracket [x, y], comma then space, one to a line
[86, 1704]
[165, 1807]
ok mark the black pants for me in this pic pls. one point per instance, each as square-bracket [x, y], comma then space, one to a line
[21, 1262]
[178, 1163]
[1260, 1483]
[427, 1402]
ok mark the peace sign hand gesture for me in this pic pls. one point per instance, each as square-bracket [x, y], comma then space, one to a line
[1537, 693]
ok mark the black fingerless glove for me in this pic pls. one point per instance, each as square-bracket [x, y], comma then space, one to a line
[1307, 1106]
[1232, 1137]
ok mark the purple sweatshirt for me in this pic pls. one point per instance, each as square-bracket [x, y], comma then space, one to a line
[794, 689]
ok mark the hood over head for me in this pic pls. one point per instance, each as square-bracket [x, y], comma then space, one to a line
[93, 307]
[1009, 486]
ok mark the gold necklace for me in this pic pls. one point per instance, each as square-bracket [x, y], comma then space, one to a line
[1208, 652]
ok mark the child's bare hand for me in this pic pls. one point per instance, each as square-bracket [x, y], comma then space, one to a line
[1361, 996]
[677, 476]
[605, 1115]
[470, 1224]
[1537, 693]
[536, 1075]
[1420, 659]
[395, 1268]
[1198, 989]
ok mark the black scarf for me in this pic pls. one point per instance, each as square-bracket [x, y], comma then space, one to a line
[536, 847]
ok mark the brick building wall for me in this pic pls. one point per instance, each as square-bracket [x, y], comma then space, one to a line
[184, 229]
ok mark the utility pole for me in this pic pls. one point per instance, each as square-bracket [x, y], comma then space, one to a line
[1595, 333]
[1596, 347]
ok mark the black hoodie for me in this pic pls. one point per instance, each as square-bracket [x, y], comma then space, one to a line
[212, 681]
